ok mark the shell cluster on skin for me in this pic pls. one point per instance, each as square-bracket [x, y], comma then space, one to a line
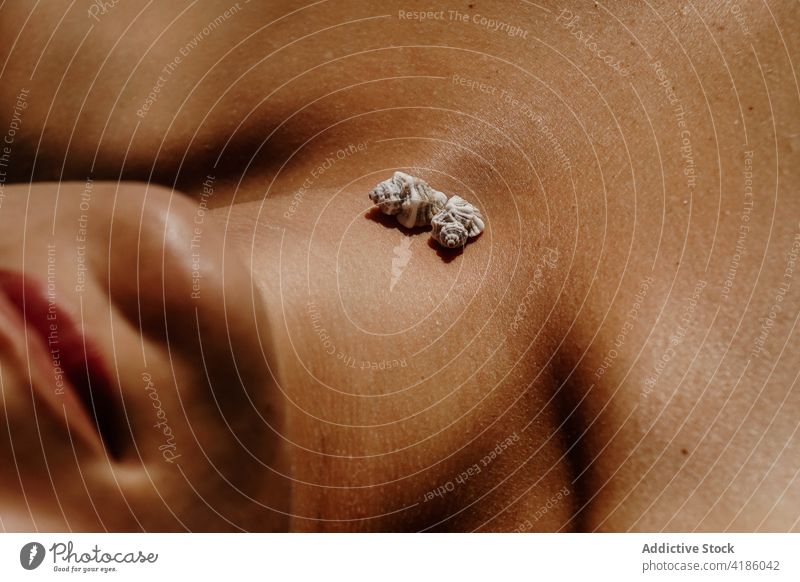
[456, 222]
[410, 199]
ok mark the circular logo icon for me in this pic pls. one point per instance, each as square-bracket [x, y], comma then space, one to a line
[31, 555]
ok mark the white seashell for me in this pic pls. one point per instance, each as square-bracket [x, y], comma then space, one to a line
[456, 222]
[409, 198]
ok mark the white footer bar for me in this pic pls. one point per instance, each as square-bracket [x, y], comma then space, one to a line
[401, 557]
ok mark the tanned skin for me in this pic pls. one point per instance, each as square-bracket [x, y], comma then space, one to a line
[616, 352]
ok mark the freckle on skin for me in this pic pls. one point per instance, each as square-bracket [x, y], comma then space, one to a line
[684, 452]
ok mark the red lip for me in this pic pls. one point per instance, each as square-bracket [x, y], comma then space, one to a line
[71, 373]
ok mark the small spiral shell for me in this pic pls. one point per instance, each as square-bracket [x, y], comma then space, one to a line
[456, 222]
[409, 198]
